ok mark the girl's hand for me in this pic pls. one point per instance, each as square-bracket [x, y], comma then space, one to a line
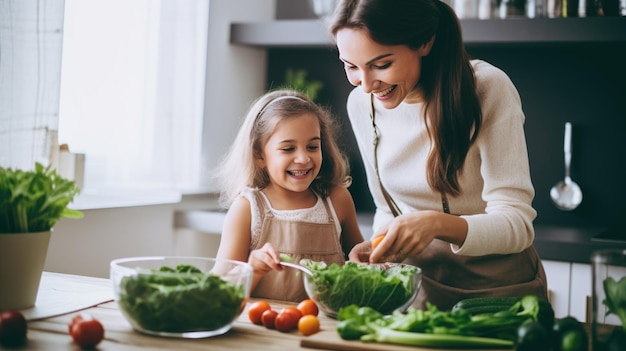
[265, 259]
[360, 253]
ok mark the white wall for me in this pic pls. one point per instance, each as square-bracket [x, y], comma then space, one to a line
[86, 246]
[236, 75]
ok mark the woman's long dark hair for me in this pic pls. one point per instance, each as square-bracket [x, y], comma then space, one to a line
[447, 79]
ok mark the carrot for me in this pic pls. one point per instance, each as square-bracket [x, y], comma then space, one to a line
[377, 241]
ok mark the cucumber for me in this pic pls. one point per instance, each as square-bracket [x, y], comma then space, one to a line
[478, 305]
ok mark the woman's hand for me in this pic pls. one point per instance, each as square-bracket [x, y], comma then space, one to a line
[265, 259]
[409, 234]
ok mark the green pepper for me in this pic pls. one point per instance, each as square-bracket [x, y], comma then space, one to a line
[351, 329]
[532, 336]
[615, 341]
[569, 335]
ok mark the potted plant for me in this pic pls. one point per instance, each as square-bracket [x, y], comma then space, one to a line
[297, 80]
[31, 203]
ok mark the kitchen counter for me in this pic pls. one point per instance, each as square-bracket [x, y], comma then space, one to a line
[573, 244]
[51, 333]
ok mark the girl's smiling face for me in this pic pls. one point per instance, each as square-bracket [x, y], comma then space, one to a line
[391, 73]
[292, 155]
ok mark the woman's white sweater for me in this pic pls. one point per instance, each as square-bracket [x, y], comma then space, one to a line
[497, 191]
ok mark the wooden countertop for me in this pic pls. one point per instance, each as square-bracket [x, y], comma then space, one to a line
[51, 333]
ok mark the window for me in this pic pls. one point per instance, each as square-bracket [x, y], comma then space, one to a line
[132, 90]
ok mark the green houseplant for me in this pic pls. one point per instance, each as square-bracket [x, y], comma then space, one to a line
[297, 80]
[31, 203]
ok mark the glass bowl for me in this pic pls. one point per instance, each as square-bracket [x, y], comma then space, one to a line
[385, 287]
[185, 297]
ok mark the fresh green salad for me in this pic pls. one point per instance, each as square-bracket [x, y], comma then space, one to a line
[384, 287]
[188, 300]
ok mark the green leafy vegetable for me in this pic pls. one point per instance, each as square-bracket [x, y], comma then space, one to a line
[422, 328]
[435, 328]
[285, 258]
[33, 201]
[615, 300]
[183, 301]
[382, 287]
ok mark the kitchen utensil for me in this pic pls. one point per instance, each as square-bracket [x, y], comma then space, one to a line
[296, 266]
[566, 194]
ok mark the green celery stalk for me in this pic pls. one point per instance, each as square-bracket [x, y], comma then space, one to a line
[387, 335]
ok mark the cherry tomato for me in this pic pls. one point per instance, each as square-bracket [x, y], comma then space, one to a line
[256, 311]
[87, 332]
[308, 324]
[308, 307]
[286, 321]
[12, 328]
[293, 311]
[268, 318]
[78, 318]
[377, 241]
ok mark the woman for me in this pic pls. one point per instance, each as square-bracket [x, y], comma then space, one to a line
[448, 170]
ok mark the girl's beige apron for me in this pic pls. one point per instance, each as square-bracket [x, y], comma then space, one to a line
[298, 239]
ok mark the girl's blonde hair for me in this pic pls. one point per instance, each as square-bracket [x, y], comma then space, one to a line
[239, 169]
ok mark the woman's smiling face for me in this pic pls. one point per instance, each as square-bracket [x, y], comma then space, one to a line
[389, 72]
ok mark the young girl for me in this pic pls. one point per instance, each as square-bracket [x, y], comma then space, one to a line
[285, 184]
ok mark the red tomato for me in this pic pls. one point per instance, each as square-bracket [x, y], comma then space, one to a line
[256, 311]
[292, 310]
[286, 321]
[308, 307]
[308, 324]
[268, 318]
[87, 332]
[12, 328]
[78, 318]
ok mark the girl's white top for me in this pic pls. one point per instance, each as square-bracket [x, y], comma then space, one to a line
[315, 214]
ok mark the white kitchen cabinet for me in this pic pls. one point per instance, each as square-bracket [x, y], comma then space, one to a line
[558, 275]
[569, 285]
[580, 291]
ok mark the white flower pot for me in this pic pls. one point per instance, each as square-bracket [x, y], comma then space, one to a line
[22, 257]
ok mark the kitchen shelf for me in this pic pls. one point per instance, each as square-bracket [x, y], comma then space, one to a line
[312, 33]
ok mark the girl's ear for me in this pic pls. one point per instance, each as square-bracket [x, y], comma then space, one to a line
[260, 162]
[425, 49]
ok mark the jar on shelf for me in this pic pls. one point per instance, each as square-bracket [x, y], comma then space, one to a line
[512, 9]
[466, 8]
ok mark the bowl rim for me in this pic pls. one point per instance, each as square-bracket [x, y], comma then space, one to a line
[116, 263]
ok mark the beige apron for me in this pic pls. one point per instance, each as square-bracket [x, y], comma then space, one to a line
[448, 278]
[298, 239]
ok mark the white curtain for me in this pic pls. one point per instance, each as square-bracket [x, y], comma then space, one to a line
[132, 90]
[31, 33]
